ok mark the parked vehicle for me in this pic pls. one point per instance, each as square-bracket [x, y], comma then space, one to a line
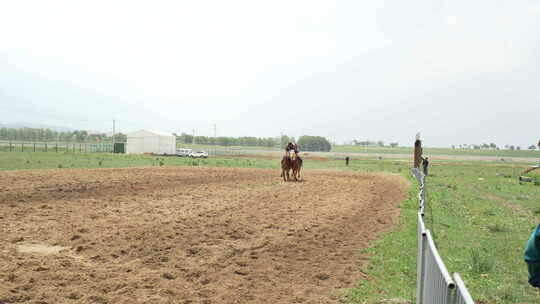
[183, 152]
[199, 154]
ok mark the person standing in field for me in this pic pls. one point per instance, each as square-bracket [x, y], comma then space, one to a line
[425, 164]
[532, 257]
[346, 160]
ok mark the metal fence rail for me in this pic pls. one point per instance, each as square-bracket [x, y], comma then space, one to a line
[462, 294]
[434, 285]
[438, 284]
[420, 260]
[8, 146]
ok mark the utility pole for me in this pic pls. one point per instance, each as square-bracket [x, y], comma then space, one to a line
[215, 130]
[113, 125]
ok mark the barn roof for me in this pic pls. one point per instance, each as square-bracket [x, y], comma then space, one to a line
[149, 132]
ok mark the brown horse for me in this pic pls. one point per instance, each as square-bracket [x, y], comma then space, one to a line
[296, 166]
[286, 163]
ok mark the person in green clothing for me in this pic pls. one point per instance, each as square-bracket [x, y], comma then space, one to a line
[532, 257]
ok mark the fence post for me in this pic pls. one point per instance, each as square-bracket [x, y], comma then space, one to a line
[80, 148]
[45, 147]
[56, 147]
[10, 148]
[22, 147]
[34, 147]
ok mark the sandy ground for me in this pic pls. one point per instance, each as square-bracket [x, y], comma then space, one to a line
[188, 235]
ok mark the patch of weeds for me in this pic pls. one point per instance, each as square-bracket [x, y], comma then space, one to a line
[161, 163]
[509, 294]
[490, 212]
[481, 261]
[536, 210]
[60, 166]
[100, 162]
[194, 163]
[497, 227]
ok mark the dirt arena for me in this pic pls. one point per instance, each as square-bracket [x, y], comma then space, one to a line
[188, 235]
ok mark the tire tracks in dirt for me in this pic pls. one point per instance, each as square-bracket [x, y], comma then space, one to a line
[190, 235]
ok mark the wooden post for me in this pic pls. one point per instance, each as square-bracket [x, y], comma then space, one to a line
[34, 147]
[10, 147]
[417, 152]
[56, 147]
[45, 147]
[22, 147]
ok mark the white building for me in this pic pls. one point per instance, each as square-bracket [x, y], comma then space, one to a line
[146, 141]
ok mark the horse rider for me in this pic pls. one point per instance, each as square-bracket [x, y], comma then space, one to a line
[291, 146]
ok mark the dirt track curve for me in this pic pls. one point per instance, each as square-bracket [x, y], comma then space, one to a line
[188, 235]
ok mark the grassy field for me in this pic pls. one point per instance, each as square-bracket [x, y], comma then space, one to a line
[479, 213]
[436, 151]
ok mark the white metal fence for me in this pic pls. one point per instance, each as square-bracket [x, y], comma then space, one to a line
[434, 285]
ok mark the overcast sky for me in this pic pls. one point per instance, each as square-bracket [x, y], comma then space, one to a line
[457, 71]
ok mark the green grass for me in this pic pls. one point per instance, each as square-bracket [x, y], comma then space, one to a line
[436, 151]
[479, 213]
[480, 221]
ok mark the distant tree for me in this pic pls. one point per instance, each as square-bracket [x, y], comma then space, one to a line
[283, 141]
[453, 146]
[185, 138]
[394, 144]
[380, 143]
[532, 147]
[518, 148]
[120, 137]
[314, 143]
[80, 136]
[512, 147]
[476, 147]
[493, 146]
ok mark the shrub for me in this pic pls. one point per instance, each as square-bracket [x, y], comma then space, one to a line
[481, 262]
[497, 227]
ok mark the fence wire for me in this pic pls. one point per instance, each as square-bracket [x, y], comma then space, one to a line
[434, 285]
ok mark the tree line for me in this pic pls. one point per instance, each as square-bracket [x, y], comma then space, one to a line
[227, 141]
[48, 135]
[306, 143]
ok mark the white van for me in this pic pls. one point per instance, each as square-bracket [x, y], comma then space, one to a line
[183, 152]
